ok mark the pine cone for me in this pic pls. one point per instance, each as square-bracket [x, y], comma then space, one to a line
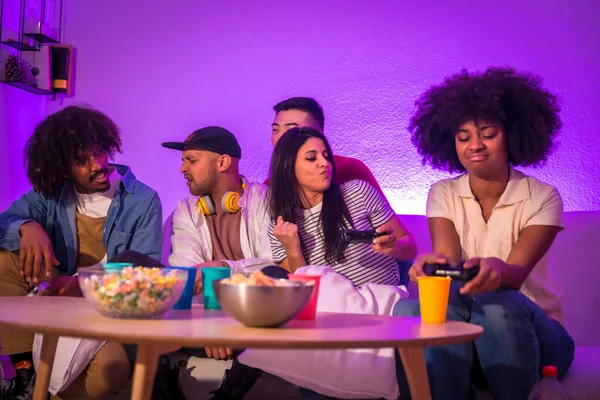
[14, 69]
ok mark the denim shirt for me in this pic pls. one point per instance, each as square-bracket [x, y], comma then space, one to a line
[133, 222]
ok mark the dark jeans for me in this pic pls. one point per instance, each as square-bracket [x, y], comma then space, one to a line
[518, 340]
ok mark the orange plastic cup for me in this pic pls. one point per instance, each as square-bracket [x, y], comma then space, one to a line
[309, 312]
[433, 298]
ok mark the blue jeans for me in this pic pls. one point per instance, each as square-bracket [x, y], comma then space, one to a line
[518, 340]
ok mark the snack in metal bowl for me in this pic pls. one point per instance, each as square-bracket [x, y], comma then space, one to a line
[257, 300]
[132, 292]
[255, 279]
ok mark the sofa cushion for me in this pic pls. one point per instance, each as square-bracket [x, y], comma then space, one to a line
[573, 260]
[582, 381]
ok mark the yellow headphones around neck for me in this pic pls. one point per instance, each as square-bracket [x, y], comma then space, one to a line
[230, 203]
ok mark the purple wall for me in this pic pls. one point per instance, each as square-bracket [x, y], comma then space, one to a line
[19, 112]
[162, 69]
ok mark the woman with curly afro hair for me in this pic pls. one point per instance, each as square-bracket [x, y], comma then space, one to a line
[82, 210]
[500, 222]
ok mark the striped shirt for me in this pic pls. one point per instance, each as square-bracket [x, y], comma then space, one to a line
[368, 210]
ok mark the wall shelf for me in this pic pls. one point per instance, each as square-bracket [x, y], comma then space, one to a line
[45, 28]
[40, 37]
[29, 88]
[20, 46]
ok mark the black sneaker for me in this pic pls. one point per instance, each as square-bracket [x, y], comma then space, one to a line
[220, 394]
[17, 388]
[236, 382]
[167, 385]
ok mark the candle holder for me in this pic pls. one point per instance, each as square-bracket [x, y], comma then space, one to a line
[47, 27]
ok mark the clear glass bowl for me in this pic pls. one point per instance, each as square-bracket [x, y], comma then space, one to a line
[132, 292]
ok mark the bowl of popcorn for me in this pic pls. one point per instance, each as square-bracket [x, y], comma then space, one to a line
[257, 300]
[132, 291]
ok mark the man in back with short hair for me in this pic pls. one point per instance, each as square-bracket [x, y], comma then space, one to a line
[307, 112]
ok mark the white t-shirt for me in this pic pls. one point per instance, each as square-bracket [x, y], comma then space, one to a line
[96, 205]
[368, 210]
[525, 202]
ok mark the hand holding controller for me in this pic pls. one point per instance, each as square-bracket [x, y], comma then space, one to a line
[456, 273]
[351, 236]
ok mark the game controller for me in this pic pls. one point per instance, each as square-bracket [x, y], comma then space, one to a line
[351, 236]
[455, 272]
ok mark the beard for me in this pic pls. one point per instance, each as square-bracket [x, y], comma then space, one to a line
[205, 187]
[106, 171]
[104, 190]
[91, 189]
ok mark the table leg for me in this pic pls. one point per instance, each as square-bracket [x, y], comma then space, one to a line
[413, 361]
[44, 369]
[144, 371]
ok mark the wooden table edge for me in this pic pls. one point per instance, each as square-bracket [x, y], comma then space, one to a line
[313, 344]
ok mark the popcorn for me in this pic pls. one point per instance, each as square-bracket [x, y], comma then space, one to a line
[134, 292]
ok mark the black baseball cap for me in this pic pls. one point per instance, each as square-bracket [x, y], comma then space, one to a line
[212, 138]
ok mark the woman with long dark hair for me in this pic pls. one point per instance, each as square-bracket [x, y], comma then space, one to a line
[311, 211]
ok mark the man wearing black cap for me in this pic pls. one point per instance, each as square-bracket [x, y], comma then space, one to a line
[224, 223]
[226, 220]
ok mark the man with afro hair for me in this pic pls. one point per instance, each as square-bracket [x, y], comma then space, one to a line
[492, 216]
[82, 210]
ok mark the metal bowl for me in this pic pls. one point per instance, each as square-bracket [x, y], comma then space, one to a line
[263, 306]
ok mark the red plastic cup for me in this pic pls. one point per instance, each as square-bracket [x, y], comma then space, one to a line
[310, 310]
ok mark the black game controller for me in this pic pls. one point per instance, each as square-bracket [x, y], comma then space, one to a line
[350, 236]
[455, 272]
